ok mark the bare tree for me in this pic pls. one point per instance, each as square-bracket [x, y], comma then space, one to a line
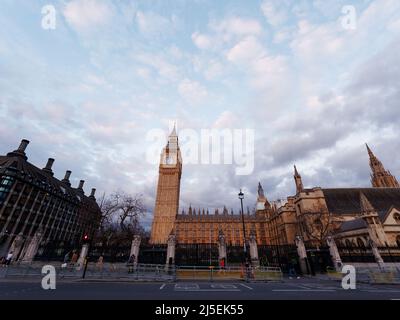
[121, 213]
[317, 224]
[130, 209]
[108, 207]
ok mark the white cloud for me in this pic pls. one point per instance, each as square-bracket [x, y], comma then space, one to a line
[226, 119]
[394, 26]
[224, 32]
[238, 26]
[271, 72]
[281, 36]
[201, 41]
[161, 65]
[192, 91]
[213, 70]
[274, 12]
[317, 41]
[153, 24]
[84, 15]
[246, 50]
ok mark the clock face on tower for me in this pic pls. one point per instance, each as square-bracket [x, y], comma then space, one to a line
[169, 160]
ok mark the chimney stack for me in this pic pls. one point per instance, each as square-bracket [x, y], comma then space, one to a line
[81, 183]
[67, 175]
[48, 166]
[22, 147]
[20, 152]
[93, 193]
[66, 178]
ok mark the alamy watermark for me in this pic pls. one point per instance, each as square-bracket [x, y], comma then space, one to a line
[349, 278]
[49, 17]
[49, 279]
[208, 147]
[349, 18]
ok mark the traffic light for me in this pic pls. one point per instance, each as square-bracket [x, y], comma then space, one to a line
[85, 238]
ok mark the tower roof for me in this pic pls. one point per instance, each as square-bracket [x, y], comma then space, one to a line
[369, 150]
[173, 132]
[296, 173]
[365, 205]
[380, 176]
[260, 191]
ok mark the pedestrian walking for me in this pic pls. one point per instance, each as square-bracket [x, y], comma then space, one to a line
[100, 263]
[74, 258]
[9, 258]
[222, 265]
[292, 269]
[66, 257]
[130, 263]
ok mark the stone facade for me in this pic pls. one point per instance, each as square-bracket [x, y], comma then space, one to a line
[197, 226]
[318, 216]
[168, 190]
[352, 216]
[33, 202]
[202, 227]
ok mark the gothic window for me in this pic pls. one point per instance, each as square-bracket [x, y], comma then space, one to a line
[348, 243]
[318, 225]
[396, 217]
[360, 243]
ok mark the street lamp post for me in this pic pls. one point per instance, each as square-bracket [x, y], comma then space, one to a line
[241, 197]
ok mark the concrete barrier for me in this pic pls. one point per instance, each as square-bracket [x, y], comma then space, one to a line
[233, 273]
[390, 277]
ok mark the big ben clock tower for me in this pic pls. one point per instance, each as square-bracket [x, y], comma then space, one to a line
[167, 199]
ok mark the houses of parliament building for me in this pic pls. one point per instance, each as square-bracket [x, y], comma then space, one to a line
[352, 216]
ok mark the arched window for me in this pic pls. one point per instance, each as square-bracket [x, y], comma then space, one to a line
[396, 217]
[398, 241]
[360, 243]
[348, 243]
[318, 224]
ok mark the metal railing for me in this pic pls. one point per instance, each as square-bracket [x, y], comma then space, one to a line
[112, 271]
[229, 273]
[142, 272]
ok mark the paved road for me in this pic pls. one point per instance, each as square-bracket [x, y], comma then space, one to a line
[296, 289]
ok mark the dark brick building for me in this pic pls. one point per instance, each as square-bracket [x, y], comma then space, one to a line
[33, 201]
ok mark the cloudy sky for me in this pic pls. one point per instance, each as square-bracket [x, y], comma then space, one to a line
[313, 89]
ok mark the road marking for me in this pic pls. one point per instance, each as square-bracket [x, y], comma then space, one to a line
[194, 287]
[386, 291]
[243, 285]
[304, 290]
[223, 286]
[208, 290]
[187, 286]
[162, 287]
[304, 287]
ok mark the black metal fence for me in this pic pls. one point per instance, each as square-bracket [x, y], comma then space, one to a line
[185, 254]
[318, 260]
[280, 256]
[283, 256]
[57, 251]
[153, 254]
[111, 254]
[196, 254]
